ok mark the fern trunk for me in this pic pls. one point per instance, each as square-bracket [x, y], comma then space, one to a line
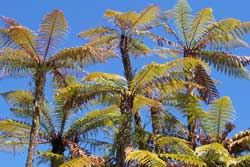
[155, 116]
[38, 104]
[124, 136]
[58, 147]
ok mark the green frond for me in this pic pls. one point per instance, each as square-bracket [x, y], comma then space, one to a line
[138, 48]
[76, 95]
[21, 102]
[141, 101]
[242, 29]
[94, 33]
[52, 31]
[227, 63]
[14, 127]
[200, 24]
[84, 55]
[182, 15]
[176, 145]
[188, 159]
[145, 158]
[153, 70]
[95, 120]
[242, 161]
[25, 39]
[16, 63]
[49, 154]
[76, 162]
[213, 154]
[220, 113]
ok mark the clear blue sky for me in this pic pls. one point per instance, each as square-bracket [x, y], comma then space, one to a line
[84, 14]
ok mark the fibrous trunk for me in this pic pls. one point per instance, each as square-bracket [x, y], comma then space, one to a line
[38, 104]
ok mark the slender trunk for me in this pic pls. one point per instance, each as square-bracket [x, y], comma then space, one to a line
[38, 104]
[124, 136]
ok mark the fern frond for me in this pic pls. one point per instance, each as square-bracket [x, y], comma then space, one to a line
[200, 24]
[50, 155]
[220, 113]
[149, 72]
[94, 120]
[96, 32]
[16, 63]
[182, 15]
[99, 76]
[84, 55]
[76, 162]
[145, 158]
[5, 39]
[52, 32]
[146, 16]
[14, 146]
[227, 63]
[175, 144]
[14, 127]
[188, 159]
[25, 39]
[141, 101]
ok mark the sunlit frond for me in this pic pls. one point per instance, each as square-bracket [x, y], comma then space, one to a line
[84, 55]
[145, 158]
[175, 144]
[16, 63]
[95, 120]
[76, 162]
[200, 25]
[15, 127]
[182, 15]
[142, 101]
[52, 32]
[25, 39]
[96, 32]
[220, 113]
[188, 159]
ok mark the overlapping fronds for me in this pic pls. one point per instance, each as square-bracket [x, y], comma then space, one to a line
[76, 162]
[94, 120]
[188, 159]
[145, 158]
[16, 63]
[242, 161]
[84, 55]
[176, 145]
[200, 24]
[182, 15]
[141, 101]
[8, 22]
[139, 48]
[132, 20]
[52, 32]
[227, 63]
[220, 113]
[25, 39]
[76, 95]
[149, 72]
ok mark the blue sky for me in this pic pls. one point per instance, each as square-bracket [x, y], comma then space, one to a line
[84, 14]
